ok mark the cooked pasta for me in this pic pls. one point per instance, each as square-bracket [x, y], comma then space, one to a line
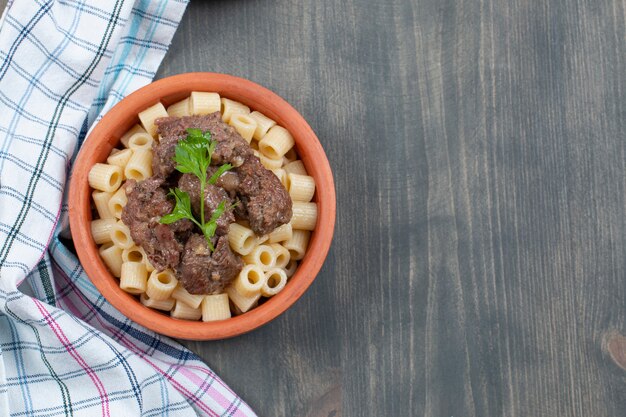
[184, 296]
[105, 177]
[280, 234]
[101, 230]
[117, 202]
[134, 254]
[241, 239]
[262, 256]
[282, 255]
[270, 163]
[133, 277]
[275, 281]
[304, 215]
[250, 280]
[231, 107]
[161, 285]
[165, 305]
[120, 235]
[135, 129]
[183, 311]
[244, 125]
[204, 103]
[112, 257]
[295, 167]
[290, 156]
[101, 201]
[149, 115]
[301, 187]
[263, 124]
[215, 307]
[242, 302]
[297, 244]
[140, 141]
[139, 166]
[119, 157]
[180, 109]
[291, 267]
[276, 142]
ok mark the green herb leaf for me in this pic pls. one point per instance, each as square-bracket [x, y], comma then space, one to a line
[182, 209]
[193, 156]
[219, 173]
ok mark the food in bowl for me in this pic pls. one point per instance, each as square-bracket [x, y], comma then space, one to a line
[206, 210]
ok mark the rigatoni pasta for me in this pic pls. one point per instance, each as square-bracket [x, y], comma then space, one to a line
[215, 307]
[149, 115]
[105, 177]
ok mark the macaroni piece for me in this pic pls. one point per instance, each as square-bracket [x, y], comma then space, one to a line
[281, 233]
[301, 187]
[101, 230]
[139, 166]
[297, 244]
[295, 167]
[120, 235]
[179, 109]
[135, 129]
[263, 124]
[140, 141]
[215, 307]
[304, 215]
[276, 142]
[165, 305]
[182, 295]
[133, 277]
[244, 125]
[149, 115]
[282, 255]
[161, 285]
[105, 177]
[242, 302]
[117, 202]
[134, 254]
[204, 103]
[183, 311]
[249, 281]
[231, 107]
[119, 158]
[275, 281]
[112, 257]
[101, 201]
[241, 239]
[262, 256]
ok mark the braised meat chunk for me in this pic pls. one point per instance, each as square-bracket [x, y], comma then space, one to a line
[266, 203]
[213, 196]
[147, 202]
[203, 272]
[230, 148]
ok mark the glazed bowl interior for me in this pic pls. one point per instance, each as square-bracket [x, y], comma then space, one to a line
[106, 135]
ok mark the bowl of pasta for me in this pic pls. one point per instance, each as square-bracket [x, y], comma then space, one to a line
[202, 206]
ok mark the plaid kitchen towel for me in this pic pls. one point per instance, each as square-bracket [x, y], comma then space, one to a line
[67, 352]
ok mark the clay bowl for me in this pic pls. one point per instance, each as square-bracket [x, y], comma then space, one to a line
[106, 135]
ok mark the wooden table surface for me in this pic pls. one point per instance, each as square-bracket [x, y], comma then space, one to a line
[479, 260]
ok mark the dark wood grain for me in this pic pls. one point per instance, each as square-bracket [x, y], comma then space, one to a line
[478, 266]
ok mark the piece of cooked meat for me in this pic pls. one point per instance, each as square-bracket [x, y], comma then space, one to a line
[231, 147]
[147, 203]
[266, 203]
[203, 272]
[213, 196]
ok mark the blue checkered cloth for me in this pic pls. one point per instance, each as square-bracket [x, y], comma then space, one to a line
[67, 352]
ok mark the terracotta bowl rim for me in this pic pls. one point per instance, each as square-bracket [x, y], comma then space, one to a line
[105, 135]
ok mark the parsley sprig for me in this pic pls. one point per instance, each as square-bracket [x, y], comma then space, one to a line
[193, 156]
